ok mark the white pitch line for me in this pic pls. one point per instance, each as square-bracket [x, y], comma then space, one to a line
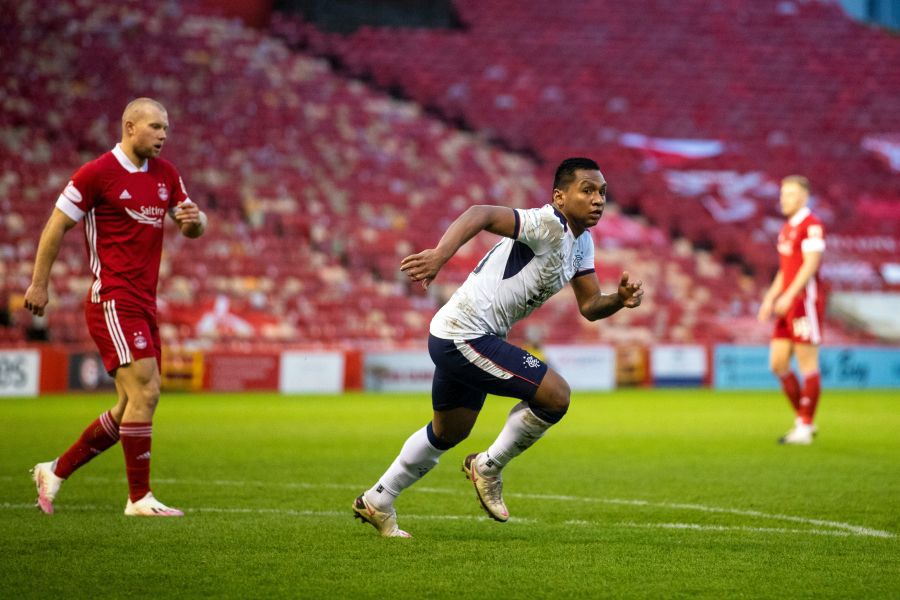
[290, 512]
[413, 517]
[698, 527]
[854, 529]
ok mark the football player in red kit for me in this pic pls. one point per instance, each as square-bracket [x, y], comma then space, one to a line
[123, 197]
[795, 299]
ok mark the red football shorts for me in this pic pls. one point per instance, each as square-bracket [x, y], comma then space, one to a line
[124, 332]
[803, 322]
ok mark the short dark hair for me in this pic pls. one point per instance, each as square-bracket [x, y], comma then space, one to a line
[565, 172]
[799, 180]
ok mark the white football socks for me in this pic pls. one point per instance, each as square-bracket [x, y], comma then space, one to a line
[416, 458]
[523, 428]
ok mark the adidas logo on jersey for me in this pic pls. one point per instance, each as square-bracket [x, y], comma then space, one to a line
[125, 195]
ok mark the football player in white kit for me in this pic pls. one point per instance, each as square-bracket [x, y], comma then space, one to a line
[542, 250]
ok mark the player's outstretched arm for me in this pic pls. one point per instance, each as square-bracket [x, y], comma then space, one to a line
[425, 265]
[595, 305]
[37, 296]
[191, 220]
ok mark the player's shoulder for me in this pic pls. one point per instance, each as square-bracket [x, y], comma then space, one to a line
[813, 226]
[549, 217]
[163, 166]
[97, 168]
[102, 163]
[812, 219]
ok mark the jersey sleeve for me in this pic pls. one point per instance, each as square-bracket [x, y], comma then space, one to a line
[79, 194]
[585, 256]
[179, 192]
[813, 239]
[537, 228]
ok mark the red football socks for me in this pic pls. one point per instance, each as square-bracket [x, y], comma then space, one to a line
[136, 445]
[100, 435]
[812, 385]
[791, 388]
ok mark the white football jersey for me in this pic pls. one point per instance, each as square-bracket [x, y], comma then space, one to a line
[518, 275]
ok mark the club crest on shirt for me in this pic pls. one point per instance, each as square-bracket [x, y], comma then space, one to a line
[163, 192]
[576, 260]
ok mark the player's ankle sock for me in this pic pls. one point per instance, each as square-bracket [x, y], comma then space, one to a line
[791, 388]
[419, 455]
[810, 398]
[99, 435]
[522, 429]
[136, 439]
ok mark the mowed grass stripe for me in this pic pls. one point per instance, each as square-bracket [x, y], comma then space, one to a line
[635, 494]
[848, 527]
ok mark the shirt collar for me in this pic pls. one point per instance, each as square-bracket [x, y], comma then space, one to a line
[126, 162]
[799, 216]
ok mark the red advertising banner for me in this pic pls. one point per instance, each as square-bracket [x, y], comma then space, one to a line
[237, 372]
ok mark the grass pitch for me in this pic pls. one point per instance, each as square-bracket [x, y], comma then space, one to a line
[634, 494]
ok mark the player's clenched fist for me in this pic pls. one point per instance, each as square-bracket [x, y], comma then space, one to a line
[36, 298]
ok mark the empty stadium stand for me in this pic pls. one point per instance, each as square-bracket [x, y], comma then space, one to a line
[318, 182]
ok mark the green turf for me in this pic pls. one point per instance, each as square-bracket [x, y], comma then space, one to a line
[674, 494]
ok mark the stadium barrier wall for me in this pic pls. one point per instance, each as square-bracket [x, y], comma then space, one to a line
[30, 371]
[841, 367]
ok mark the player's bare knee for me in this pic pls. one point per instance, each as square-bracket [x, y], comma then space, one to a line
[558, 397]
[559, 401]
[447, 435]
[780, 367]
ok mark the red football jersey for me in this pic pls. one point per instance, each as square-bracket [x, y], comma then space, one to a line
[124, 209]
[803, 232]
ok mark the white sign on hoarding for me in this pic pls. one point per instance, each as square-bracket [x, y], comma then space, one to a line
[311, 373]
[398, 371]
[678, 364]
[585, 368]
[19, 372]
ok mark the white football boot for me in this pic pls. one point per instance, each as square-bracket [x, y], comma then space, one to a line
[488, 489]
[47, 483]
[800, 435]
[148, 506]
[384, 522]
